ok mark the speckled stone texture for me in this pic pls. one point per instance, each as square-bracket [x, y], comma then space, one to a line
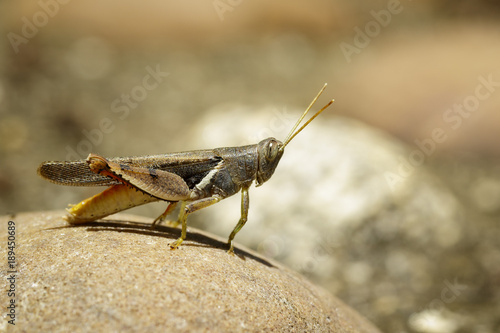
[120, 276]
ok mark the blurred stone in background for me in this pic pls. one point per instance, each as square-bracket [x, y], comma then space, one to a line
[347, 208]
[402, 225]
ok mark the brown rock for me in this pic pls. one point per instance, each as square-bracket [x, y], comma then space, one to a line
[118, 275]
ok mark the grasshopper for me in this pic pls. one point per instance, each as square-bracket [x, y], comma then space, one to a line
[197, 179]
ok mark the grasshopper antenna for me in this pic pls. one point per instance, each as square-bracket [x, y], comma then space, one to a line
[292, 134]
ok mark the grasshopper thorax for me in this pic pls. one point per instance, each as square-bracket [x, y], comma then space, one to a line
[269, 152]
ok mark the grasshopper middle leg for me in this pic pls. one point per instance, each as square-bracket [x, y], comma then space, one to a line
[188, 209]
[171, 206]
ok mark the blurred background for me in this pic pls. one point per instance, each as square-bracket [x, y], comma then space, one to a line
[390, 200]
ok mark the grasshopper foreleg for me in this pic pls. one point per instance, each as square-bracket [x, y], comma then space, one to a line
[188, 208]
[245, 201]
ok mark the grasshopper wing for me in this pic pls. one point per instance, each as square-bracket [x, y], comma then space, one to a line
[158, 183]
[74, 173]
[190, 166]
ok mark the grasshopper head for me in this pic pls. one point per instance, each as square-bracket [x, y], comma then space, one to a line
[269, 152]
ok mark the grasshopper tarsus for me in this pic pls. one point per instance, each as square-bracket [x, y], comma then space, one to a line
[231, 247]
[176, 244]
[197, 178]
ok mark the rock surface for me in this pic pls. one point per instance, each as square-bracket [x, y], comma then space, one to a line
[119, 275]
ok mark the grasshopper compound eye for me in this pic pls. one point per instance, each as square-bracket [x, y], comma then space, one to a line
[272, 150]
